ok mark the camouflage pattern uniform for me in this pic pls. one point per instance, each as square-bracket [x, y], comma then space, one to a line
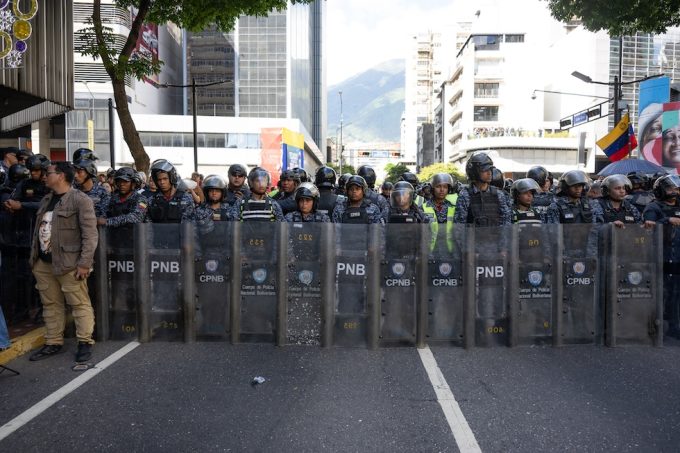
[100, 197]
[126, 212]
[297, 217]
[463, 205]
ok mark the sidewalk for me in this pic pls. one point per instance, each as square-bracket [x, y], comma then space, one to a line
[23, 344]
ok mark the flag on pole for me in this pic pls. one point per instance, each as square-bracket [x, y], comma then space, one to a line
[620, 141]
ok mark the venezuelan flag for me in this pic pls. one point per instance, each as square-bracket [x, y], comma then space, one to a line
[620, 141]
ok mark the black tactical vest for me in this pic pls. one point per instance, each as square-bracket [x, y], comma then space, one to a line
[579, 212]
[623, 214]
[257, 210]
[484, 208]
[356, 215]
[122, 207]
[166, 211]
[316, 217]
[403, 217]
[327, 202]
[529, 216]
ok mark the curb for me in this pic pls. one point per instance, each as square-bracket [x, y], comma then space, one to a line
[23, 344]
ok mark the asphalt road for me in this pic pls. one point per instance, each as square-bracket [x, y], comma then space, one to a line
[200, 397]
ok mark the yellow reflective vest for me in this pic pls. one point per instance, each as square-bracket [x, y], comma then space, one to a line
[428, 209]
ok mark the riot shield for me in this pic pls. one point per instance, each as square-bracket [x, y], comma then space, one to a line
[259, 250]
[491, 248]
[398, 282]
[213, 283]
[351, 309]
[580, 309]
[304, 283]
[166, 320]
[445, 281]
[634, 261]
[120, 264]
[532, 303]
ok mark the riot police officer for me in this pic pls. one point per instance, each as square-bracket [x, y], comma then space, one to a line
[324, 180]
[83, 154]
[126, 205]
[342, 180]
[523, 192]
[368, 174]
[412, 179]
[86, 180]
[237, 187]
[402, 206]
[666, 211]
[497, 178]
[481, 204]
[290, 180]
[386, 189]
[357, 209]
[616, 208]
[307, 198]
[168, 204]
[571, 204]
[544, 197]
[257, 206]
[215, 188]
[639, 195]
[441, 210]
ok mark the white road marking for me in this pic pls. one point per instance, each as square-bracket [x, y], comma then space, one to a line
[464, 436]
[41, 406]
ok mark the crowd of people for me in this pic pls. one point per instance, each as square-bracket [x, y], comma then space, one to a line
[54, 208]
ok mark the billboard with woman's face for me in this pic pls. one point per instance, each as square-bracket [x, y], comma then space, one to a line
[660, 135]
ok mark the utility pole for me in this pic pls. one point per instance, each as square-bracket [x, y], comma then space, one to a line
[341, 148]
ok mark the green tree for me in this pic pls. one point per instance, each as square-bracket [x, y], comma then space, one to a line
[394, 171]
[619, 17]
[426, 173]
[345, 169]
[193, 15]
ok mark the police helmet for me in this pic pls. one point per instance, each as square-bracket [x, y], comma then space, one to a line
[508, 184]
[125, 174]
[445, 178]
[637, 178]
[387, 186]
[651, 180]
[367, 172]
[83, 153]
[342, 181]
[572, 178]
[237, 170]
[258, 174]
[162, 166]
[664, 183]
[410, 178]
[87, 165]
[290, 174]
[356, 180]
[497, 179]
[402, 195]
[17, 173]
[302, 174]
[476, 164]
[110, 173]
[524, 185]
[23, 154]
[38, 162]
[325, 177]
[308, 190]
[612, 181]
[214, 182]
[538, 174]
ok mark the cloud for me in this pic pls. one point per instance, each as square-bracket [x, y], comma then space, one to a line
[363, 33]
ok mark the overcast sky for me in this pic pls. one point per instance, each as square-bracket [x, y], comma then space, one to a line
[363, 33]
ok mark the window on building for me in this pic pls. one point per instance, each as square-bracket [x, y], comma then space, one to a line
[486, 90]
[486, 113]
[514, 38]
[487, 42]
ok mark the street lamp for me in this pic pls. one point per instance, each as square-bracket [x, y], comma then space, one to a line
[617, 88]
[340, 93]
[533, 95]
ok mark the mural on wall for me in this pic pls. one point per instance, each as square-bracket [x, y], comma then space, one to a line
[15, 29]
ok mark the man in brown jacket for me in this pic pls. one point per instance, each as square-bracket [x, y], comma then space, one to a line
[61, 255]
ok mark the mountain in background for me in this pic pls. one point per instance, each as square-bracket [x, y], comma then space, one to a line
[372, 104]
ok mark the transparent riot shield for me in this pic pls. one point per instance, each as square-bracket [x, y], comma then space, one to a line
[351, 309]
[304, 283]
[259, 272]
[399, 277]
[635, 272]
[532, 303]
[491, 249]
[213, 283]
[120, 264]
[445, 280]
[166, 321]
[580, 309]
